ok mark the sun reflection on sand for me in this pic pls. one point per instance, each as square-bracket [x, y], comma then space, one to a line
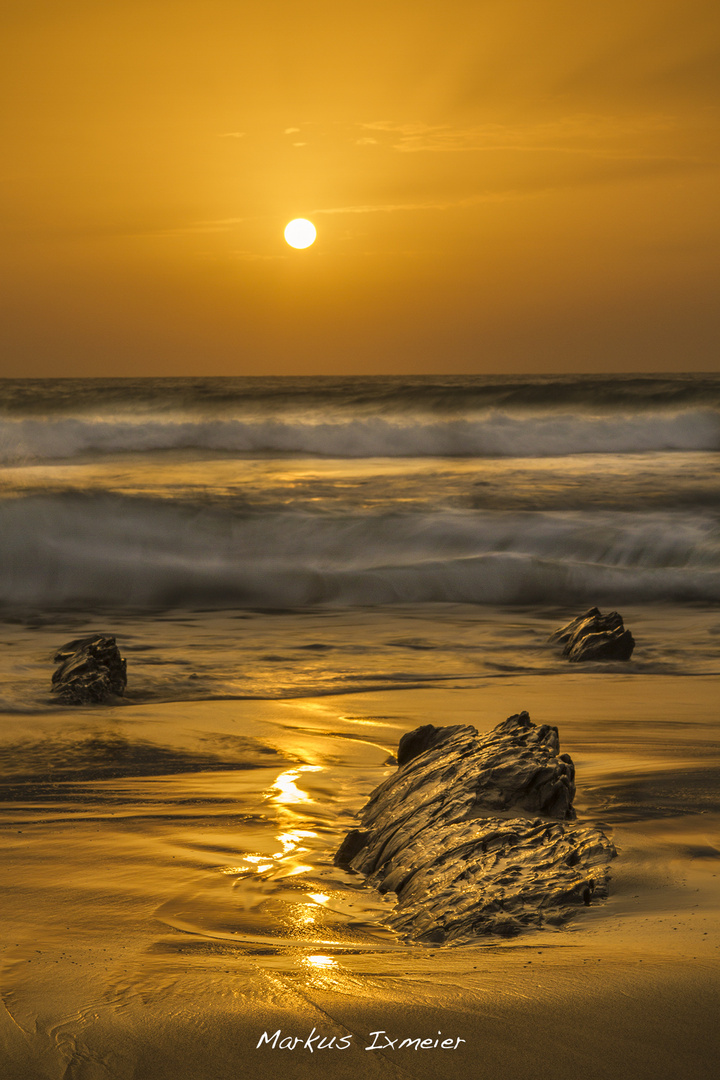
[280, 884]
[291, 841]
[320, 972]
[320, 961]
[286, 788]
[283, 862]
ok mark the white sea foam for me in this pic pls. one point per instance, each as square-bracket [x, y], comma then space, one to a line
[492, 433]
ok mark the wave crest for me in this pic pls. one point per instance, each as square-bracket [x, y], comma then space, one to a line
[75, 551]
[492, 434]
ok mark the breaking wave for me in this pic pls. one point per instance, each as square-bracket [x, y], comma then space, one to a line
[494, 433]
[72, 550]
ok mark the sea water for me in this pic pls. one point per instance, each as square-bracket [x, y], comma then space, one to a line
[324, 524]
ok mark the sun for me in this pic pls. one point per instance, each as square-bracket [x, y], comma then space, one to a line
[300, 233]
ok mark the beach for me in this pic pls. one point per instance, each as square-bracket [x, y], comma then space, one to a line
[161, 917]
[171, 906]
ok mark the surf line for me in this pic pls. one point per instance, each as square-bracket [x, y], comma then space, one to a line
[380, 1041]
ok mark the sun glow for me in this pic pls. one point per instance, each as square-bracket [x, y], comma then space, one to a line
[300, 233]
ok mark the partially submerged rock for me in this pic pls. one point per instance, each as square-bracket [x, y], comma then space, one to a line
[594, 636]
[455, 833]
[91, 671]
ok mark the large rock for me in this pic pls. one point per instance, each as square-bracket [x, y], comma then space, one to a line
[474, 835]
[594, 636]
[91, 671]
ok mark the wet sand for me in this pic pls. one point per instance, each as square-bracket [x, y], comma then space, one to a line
[157, 921]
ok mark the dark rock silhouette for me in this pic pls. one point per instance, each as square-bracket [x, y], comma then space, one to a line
[91, 671]
[594, 636]
[455, 833]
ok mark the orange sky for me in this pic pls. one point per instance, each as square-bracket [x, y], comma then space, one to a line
[498, 185]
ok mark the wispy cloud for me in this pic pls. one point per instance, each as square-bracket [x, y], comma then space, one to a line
[381, 208]
[446, 204]
[232, 134]
[647, 136]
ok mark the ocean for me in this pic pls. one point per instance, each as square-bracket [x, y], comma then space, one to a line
[308, 516]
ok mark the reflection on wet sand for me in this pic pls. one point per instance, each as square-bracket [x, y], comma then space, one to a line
[288, 793]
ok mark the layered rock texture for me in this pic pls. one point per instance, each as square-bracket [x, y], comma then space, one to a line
[476, 834]
[91, 671]
[594, 636]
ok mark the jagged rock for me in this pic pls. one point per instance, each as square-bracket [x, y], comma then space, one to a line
[594, 636]
[91, 671]
[454, 834]
[421, 739]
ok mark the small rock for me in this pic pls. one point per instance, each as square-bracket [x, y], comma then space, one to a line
[91, 671]
[594, 636]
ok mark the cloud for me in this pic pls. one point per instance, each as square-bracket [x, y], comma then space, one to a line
[449, 204]
[290, 131]
[232, 134]
[383, 208]
[655, 135]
